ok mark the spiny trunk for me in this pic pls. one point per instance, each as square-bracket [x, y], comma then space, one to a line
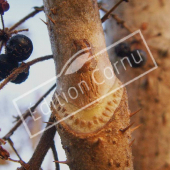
[151, 92]
[96, 137]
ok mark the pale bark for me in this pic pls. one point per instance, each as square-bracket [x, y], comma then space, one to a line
[92, 138]
[151, 92]
[76, 25]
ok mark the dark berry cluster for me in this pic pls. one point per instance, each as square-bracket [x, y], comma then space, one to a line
[136, 57]
[21, 77]
[6, 66]
[122, 49]
[18, 49]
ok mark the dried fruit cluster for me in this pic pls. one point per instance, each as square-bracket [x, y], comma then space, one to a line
[18, 49]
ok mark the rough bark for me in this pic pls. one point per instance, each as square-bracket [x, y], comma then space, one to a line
[74, 26]
[107, 148]
[151, 92]
[96, 137]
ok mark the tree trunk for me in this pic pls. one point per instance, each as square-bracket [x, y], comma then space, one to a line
[96, 137]
[151, 92]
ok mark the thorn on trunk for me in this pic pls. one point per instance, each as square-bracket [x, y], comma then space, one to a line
[43, 21]
[136, 128]
[100, 140]
[132, 114]
[125, 129]
[131, 143]
[62, 162]
[51, 19]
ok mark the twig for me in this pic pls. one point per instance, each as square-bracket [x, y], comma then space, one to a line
[16, 118]
[10, 133]
[26, 166]
[53, 148]
[12, 160]
[17, 31]
[12, 145]
[27, 113]
[2, 20]
[123, 24]
[2, 142]
[42, 148]
[118, 20]
[42, 98]
[106, 16]
[22, 68]
[32, 14]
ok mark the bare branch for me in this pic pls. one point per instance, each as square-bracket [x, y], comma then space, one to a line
[10, 133]
[12, 145]
[17, 31]
[106, 16]
[54, 150]
[42, 148]
[32, 14]
[22, 68]
[118, 20]
[26, 166]
[27, 113]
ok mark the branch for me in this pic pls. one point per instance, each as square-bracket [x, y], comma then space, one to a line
[54, 150]
[26, 166]
[36, 11]
[17, 31]
[106, 16]
[4, 155]
[27, 113]
[22, 68]
[118, 20]
[42, 148]
[10, 133]
[12, 145]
